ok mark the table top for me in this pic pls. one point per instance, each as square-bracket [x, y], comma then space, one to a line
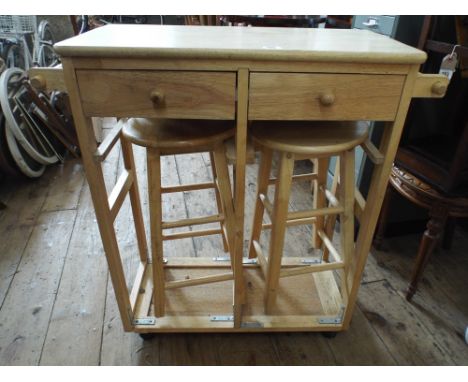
[251, 43]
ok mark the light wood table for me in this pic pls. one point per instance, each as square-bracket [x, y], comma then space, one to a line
[241, 74]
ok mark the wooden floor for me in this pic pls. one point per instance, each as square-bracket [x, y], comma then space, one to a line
[57, 305]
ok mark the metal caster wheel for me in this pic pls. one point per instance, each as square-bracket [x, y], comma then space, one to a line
[329, 334]
[147, 336]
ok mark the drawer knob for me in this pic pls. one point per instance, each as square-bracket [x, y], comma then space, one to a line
[157, 97]
[439, 88]
[327, 99]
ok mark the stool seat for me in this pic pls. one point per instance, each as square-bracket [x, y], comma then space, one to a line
[175, 134]
[309, 138]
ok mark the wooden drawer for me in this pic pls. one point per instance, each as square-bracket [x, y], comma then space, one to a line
[164, 94]
[305, 96]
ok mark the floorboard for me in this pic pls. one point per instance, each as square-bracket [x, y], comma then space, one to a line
[79, 307]
[27, 308]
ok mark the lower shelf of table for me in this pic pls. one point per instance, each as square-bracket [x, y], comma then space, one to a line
[310, 302]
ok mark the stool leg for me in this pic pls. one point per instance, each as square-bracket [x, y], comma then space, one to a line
[262, 188]
[330, 220]
[347, 187]
[319, 198]
[155, 207]
[230, 221]
[280, 214]
[218, 200]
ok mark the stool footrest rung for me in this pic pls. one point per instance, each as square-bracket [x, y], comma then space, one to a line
[194, 221]
[118, 193]
[293, 222]
[330, 197]
[187, 187]
[262, 260]
[313, 213]
[328, 243]
[299, 177]
[267, 204]
[199, 281]
[311, 269]
[197, 233]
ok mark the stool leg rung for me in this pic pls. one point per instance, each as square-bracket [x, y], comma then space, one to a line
[299, 177]
[330, 197]
[199, 281]
[262, 260]
[197, 233]
[311, 269]
[266, 204]
[314, 213]
[187, 187]
[290, 223]
[329, 245]
[193, 221]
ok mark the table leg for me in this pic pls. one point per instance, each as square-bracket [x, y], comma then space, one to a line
[99, 196]
[379, 181]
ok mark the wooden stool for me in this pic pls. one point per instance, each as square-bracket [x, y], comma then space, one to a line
[296, 141]
[171, 137]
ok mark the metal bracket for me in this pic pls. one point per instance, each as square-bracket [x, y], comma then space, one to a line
[222, 318]
[250, 324]
[338, 319]
[221, 258]
[311, 261]
[250, 261]
[144, 321]
[244, 261]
